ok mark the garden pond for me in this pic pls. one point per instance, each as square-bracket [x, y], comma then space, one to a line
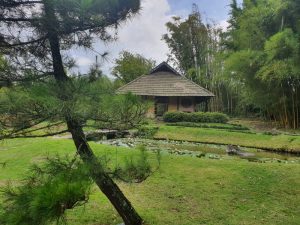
[211, 151]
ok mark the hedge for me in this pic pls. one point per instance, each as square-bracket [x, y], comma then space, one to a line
[223, 126]
[197, 117]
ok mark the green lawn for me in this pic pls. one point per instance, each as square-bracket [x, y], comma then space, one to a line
[217, 136]
[186, 191]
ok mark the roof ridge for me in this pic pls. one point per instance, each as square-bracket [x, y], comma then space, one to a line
[164, 63]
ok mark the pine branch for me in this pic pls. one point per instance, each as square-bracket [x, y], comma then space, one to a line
[11, 19]
[26, 79]
[38, 136]
[40, 128]
[7, 45]
[11, 3]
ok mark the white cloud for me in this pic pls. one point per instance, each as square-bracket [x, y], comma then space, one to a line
[83, 61]
[223, 24]
[142, 34]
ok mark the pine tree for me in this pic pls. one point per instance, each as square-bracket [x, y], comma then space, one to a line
[35, 35]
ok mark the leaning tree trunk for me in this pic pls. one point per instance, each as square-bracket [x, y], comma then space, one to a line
[103, 181]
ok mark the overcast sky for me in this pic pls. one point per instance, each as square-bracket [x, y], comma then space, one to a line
[143, 33]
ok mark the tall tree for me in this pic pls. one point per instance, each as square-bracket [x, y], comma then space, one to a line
[35, 35]
[263, 55]
[129, 66]
[188, 42]
[196, 48]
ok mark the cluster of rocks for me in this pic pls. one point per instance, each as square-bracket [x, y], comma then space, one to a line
[187, 153]
[118, 143]
[106, 134]
[236, 150]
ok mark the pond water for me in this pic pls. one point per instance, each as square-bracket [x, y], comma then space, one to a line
[199, 150]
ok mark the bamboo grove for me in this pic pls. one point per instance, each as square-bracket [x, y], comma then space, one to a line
[253, 66]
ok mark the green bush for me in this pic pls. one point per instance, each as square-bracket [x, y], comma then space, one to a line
[44, 196]
[227, 126]
[197, 117]
[147, 131]
[137, 168]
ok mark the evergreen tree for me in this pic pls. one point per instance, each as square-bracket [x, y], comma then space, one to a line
[35, 35]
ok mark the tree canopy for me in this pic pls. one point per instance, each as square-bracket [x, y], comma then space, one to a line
[129, 66]
[263, 52]
[195, 47]
[252, 67]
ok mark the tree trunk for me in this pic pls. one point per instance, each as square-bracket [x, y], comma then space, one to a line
[294, 110]
[228, 102]
[103, 181]
[231, 104]
[297, 108]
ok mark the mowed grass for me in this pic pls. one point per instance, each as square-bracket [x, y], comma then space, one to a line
[216, 136]
[186, 191]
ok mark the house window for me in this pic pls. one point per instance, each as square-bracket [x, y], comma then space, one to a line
[186, 102]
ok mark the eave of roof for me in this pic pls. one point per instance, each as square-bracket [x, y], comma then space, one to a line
[164, 84]
[163, 80]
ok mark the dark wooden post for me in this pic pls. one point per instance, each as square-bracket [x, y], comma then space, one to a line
[206, 105]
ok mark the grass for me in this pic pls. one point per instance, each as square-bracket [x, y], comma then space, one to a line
[186, 191]
[216, 136]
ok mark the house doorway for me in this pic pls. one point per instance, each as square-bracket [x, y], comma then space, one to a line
[161, 105]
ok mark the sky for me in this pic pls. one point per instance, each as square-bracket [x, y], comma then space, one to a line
[143, 33]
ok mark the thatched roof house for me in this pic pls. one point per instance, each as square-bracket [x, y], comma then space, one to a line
[169, 90]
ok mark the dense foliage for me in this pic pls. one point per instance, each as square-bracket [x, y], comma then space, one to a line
[37, 106]
[252, 68]
[263, 53]
[196, 49]
[197, 117]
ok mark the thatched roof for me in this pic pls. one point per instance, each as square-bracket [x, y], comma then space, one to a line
[164, 81]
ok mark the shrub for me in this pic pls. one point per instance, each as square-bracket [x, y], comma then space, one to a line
[173, 117]
[44, 196]
[136, 168]
[234, 127]
[197, 117]
[147, 131]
